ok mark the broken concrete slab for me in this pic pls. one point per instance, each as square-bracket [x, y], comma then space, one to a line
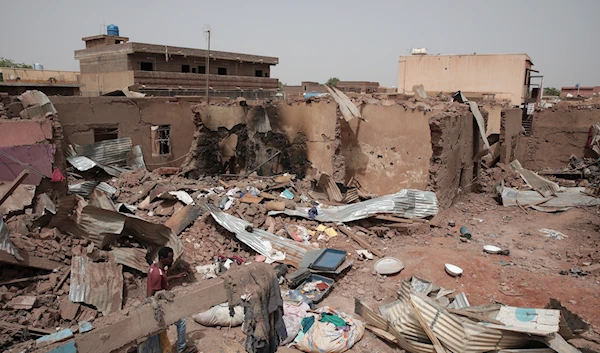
[68, 310]
[22, 302]
[21, 197]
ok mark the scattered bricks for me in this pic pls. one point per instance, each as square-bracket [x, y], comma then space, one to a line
[68, 310]
[86, 314]
[166, 171]
[44, 287]
[22, 303]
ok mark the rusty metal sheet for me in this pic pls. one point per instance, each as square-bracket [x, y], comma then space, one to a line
[33, 98]
[107, 152]
[101, 199]
[327, 183]
[18, 200]
[131, 257]
[6, 244]
[98, 284]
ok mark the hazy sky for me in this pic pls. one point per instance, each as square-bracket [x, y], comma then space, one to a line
[314, 40]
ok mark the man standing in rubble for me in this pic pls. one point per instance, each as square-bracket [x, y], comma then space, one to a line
[157, 280]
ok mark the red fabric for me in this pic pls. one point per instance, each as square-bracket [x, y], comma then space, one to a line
[157, 279]
[57, 176]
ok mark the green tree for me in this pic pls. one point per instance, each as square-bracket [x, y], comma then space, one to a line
[333, 81]
[281, 85]
[551, 91]
[5, 62]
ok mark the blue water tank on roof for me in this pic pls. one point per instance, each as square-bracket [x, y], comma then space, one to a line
[112, 30]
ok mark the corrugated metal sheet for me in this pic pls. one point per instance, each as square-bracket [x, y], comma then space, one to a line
[135, 158]
[107, 152]
[131, 257]
[102, 200]
[75, 216]
[6, 244]
[81, 163]
[405, 203]
[85, 189]
[37, 111]
[568, 197]
[273, 247]
[99, 284]
[33, 98]
[460, 301]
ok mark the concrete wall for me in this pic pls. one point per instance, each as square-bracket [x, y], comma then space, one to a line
[95, 84]
[558, 133]
[389, 151]
[38, 76]
[29, 141]
[510, 134]
[133, 117]
[502, 75]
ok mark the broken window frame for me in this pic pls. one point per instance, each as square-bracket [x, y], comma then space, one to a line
[185, 68]
[105, 133]
[258, 73]
[161, 140]
[220, 72]
[202, 69]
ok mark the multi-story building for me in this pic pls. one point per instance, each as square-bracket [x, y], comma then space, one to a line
[489, 76]
[109, 63]
[358, 86]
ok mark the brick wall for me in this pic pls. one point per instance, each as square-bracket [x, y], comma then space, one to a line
[157, 79]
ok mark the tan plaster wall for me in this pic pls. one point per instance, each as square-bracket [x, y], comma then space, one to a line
[95, 84]
[493, 122]
[389, 151]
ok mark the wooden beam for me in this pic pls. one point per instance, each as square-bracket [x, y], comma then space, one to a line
[30, 261]
[62, 281]
[437, 345]
[33, 330]
[19, 280]
[400, 220]
[18, 180]
[140, 323]
[360, 241]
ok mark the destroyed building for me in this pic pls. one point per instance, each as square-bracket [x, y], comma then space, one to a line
[110, 62]
[400, 217]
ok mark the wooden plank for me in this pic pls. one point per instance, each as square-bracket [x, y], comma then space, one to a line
[361, 241]
[20, 280]
[62, 280]
[249, 198]
[144, 192]
[393, 219]
[13, 185]
[140, 323]
[436, 343]
[30, 261]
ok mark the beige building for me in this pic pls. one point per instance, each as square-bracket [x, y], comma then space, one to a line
[16, 81]
[490, 76]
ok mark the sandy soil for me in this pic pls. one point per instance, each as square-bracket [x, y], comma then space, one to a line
[529, 277]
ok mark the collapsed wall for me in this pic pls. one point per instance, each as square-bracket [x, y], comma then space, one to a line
[393, 147]
[558, 133]
[87, 120]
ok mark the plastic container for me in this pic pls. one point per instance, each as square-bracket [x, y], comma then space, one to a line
[112, 30]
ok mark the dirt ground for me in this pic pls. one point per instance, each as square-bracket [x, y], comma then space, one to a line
[528, 277]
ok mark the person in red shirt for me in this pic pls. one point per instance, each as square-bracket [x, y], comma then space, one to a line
[157, 280]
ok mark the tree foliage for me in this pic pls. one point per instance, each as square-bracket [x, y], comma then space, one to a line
[333, 81]
[551, 91]
[6, 62]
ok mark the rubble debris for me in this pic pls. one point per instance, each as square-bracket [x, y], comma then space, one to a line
[544, 186]
[327, 183]
[30, 261]
[134, 258]
[22, 302]
[405, 203]
[6, 244]
[360, 241]
[183, 218]
[55, 337]
[562, 201]
[593, 142]
[98, 284]
[554, 234]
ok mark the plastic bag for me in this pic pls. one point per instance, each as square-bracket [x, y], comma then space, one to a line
[325, 337]
[219, 316]
[292, 317]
